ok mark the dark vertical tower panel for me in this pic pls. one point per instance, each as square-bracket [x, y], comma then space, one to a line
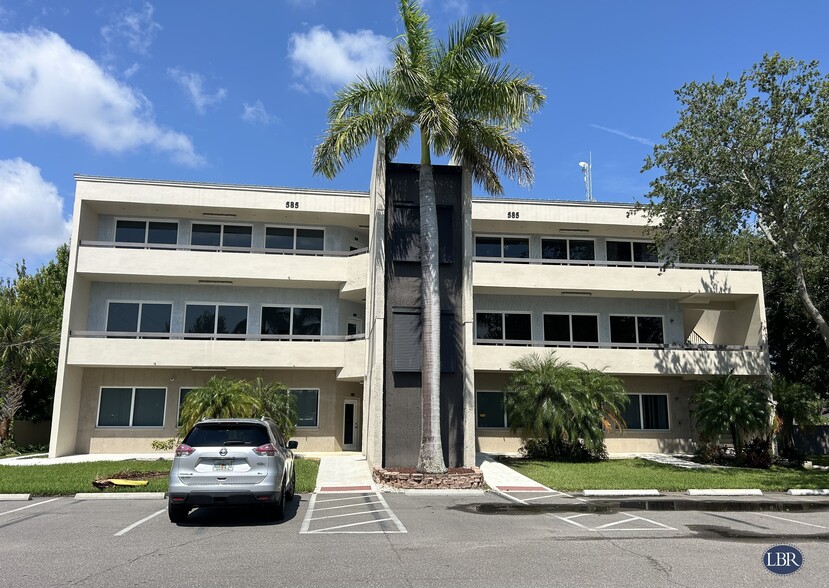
[402, 382]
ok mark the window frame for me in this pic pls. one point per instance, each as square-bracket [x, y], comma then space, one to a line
[132, 408]
[567, 239]
[146, 222]
[632, 256]
[216, 306]
[501, 237]
[291, 307]
[294, 229]
[572, 342]
[140, 303]
[642, 414]
[221, 246]
[636, 318]
[503, 314]
[503, 394]
[306, 427]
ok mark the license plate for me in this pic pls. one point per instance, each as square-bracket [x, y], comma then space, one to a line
[222, 466]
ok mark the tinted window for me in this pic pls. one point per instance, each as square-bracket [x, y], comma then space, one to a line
[517, 248]
[488, 246]
[236, 236]
[306, 407]
[554, 249]
[491, 409]
[155, 318]
[276, 321]
[650, 329]
[645, 252]
[655, 411]
[556, 327]
[582, 250]
[622, 329]
[206, 235]
[164, 233]
[122, 317]
[200, 318]
[585, 328]
[307, 321]
[633, 419]
[518, 327]
[489, 325]
[127, 231]
[218, 434]
[114, 410]
[310, 239]
[148, 409]
[232, 319]
[618, 251]
[279, 238]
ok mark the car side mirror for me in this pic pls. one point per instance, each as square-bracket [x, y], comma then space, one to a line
[293, 444]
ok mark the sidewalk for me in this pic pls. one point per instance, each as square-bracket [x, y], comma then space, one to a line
[342, 472]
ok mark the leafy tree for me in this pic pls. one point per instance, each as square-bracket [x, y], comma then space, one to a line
[749, 154]
[732, 404]
[463, 102]
[275, 403]
[563, 404]
[220, 398]
[26, 338]
[795, 402]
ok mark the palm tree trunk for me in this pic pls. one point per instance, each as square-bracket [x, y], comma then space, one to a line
[430, 459]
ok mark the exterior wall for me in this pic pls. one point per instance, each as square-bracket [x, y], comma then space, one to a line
[680, 437]
[92, 439]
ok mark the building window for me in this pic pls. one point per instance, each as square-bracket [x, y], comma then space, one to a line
[492, 413]
[216, 319]
[147, 232]
[132, 407]
[631, 251]
[643, 330]
[294, 239]
[571, 328]
[307, 407]
[182, 394]
[647, 412]
[568, 249]
[138, 317]
[407, 344]
[288, 320]
[204, 235]
[405, 232]
[506, 326]
[502, 247]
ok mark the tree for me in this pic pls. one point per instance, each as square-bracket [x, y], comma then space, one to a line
[563, 404]
[463, 103]
[794, 403]
[26, 338]
[733, 404]
[275, 403]
[749, 154]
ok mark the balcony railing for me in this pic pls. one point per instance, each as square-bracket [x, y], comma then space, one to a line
[601, 263]
[608, 345]
[222, 249]
[214, 336]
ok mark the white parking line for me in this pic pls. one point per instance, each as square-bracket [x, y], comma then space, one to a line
[567, 520]
[345, 505]
[371, 522]
[30, 506]
[762, 514]
[362, 502]
[126, 530]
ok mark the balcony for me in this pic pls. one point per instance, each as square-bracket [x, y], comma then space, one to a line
[548, 277]
[185, 264]
[345, 354]
[630, 359]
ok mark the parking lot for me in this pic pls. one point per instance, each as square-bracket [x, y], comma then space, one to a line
[395, 539]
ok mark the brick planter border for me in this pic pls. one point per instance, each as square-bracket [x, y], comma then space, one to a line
[405, 481]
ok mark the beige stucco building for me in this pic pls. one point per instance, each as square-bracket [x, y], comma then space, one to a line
[171, 283]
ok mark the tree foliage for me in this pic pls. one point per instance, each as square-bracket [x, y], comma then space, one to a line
[566, 406]
[463, 102]
[795, 402]
[734, 405]
[749, 154]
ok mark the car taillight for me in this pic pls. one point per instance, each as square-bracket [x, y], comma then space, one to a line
[184, 450]
[266, 449]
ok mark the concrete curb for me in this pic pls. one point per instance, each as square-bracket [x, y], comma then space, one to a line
[616, 493]
[808, 492]
[438, 492]
[120, 496]
[725, 492]
[21, 497]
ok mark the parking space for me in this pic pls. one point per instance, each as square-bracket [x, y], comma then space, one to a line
[356, 513]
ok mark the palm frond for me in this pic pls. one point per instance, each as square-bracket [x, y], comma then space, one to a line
[499, 93]
[491, 149]
[471, 44]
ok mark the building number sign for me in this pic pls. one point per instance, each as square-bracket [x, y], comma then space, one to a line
[512, 215]
[291, 204]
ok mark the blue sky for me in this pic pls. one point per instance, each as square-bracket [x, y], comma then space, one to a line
[237, 92]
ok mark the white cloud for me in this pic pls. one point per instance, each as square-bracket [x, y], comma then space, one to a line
[256, 114]
[327, 60]
[136, 27]
[32, 224]
[45, 84]
[193, 85]
[642, 140]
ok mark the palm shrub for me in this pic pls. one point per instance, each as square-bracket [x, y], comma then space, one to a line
[220, 398]
[734, 405]
[274, 402]
[461, 101]
[564, 407]
[794, 402]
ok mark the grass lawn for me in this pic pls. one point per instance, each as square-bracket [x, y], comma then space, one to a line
[70, 478]
[619, 474]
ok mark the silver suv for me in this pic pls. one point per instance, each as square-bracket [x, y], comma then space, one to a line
[229, 462]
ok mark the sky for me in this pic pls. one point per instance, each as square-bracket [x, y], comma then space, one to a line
[237, 92]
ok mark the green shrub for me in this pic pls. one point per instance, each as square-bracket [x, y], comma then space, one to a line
[757, 454]
[164, 444]
[561, 451]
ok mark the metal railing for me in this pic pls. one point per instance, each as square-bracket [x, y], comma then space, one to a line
[222, 249]
[601, 263]
[609, 345]
[214, 336]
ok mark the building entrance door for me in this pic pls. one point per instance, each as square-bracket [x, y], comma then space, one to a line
[351, 426]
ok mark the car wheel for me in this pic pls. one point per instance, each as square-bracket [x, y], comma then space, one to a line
[292, 491]
[276, 510]
[177, 513]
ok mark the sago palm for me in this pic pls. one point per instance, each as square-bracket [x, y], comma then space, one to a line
[461, 102]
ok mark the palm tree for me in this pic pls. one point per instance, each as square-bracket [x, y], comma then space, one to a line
[561, 403]
[794, 402]
[25, 339]
[220, 398]
[733, 404]
[463, 103]
[274, 402]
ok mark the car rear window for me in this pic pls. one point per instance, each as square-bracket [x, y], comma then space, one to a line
[218, 434]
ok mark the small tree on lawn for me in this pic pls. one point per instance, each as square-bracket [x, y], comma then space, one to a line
[565, 406]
